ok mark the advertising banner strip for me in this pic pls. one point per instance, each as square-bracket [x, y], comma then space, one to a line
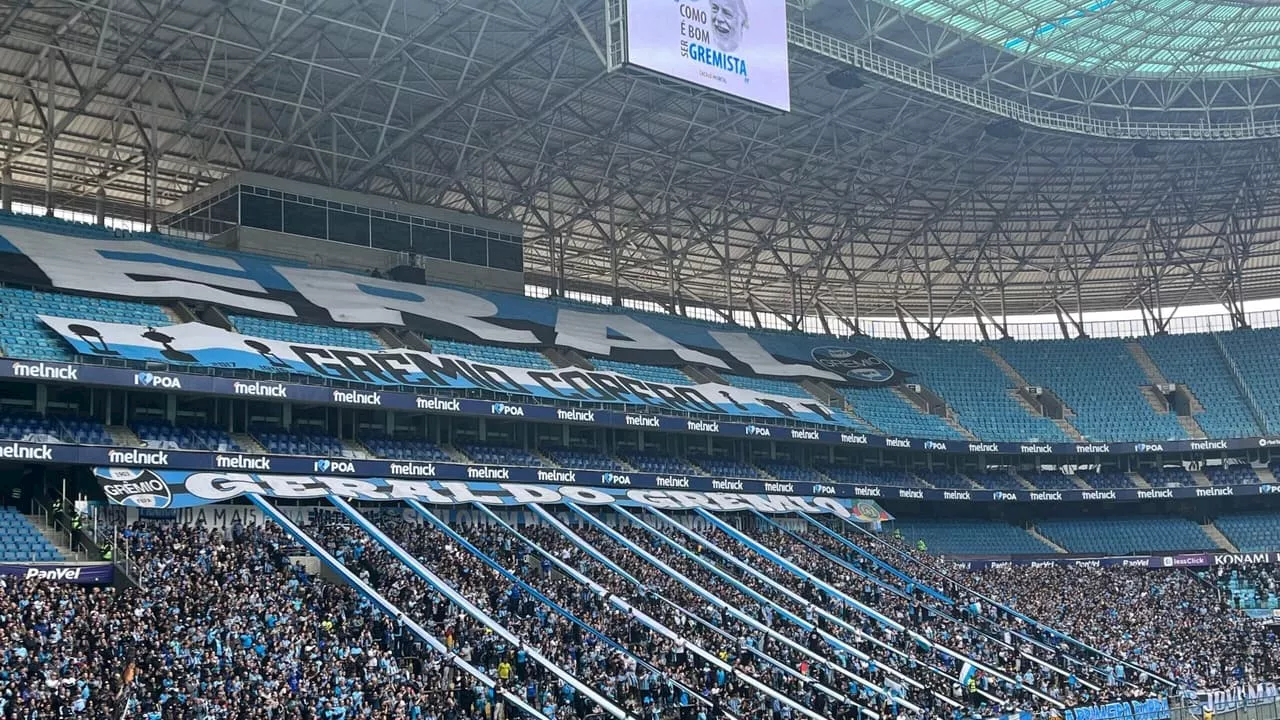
[77, 573]
[158, 489]
[1180, 560]
[376, 397]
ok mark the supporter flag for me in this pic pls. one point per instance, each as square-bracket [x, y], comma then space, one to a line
[967, 672]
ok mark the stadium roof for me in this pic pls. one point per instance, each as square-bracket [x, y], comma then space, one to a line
[1153, 38]
[888, 191]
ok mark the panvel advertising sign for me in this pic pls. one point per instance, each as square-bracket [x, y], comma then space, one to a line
[738, 47]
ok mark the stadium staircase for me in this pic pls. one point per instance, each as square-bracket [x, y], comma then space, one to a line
[1259, 416]
[248, 443]
[389, 338]
[1015, 392]
[121, 435]
[1218, 538]
[59, 540]
[1033, 532]
[1158, 402]
[356, 449]
[1200, 479]
[701, 374]
[1138, 481]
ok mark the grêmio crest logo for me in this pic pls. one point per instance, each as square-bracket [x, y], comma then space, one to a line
[855, 366]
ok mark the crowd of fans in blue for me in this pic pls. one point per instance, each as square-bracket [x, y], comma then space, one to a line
[662, 622]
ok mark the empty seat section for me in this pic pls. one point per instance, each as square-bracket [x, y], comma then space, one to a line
[1125, 535]
[492, 354]
[859, 476]
[1231, 475]
[724, 467]
[278, 441]
[188, 437]
[648, 373]
[502, 455]
[22, 541]
[768, 385]
[286, 331]
[948, 480]
[972, 385]
[998, 480]
[1168, 477]
[1051, 480]
[1253, 353]
[1099, 380]
[895, 415]
[1107, 480]
[37, 428]
[22, 335]
[1195, 361]
[970, 537]
[654, 463]
[583, 459]
[394, 448]
[790, 472]
[1251, 532]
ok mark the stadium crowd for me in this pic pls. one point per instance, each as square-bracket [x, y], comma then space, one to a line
[1164, 622]
[222, 626]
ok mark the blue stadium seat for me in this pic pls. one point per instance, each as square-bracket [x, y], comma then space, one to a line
[187, 437]
[288, 331]
[1125, 535]
[648, 373]
[22, 335]
[1251, 532]
[970, 537]
[502, 455]
[404, 449]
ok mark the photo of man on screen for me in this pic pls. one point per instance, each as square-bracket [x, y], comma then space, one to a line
[728, 20]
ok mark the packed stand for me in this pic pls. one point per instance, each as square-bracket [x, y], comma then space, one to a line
[222, 627]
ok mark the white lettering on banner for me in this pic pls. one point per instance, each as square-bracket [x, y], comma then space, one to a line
[727, 484]
[897, 443]
[559, 477]
[1098, 495]
[757, 431]
[1148, 447]
[73, 263]
[438, 404]
[138, 457]
[589, 333]
[506, 409]
[1002, 495]
[413, 469]
[488, 473]
[1045, 495]
[612, 478]
[346, 299]
[156, 380]
[747, 350]
[1208, 444]
[1035, 449]
[1215, 491]
[859, 490]
[1094, 448]
[643, 421]
[355, 397]
[780, 488]
[260, 389]
[46, 371]
[852, 439]
[1260, 558]
[984, 448]
[222, 486]
[665, 481]
[934, 445]
[799, 434]
[1155, 494]
[956, 495]
[242, 462]
[327, 466]
[57, 573]
[585, 416]
[15, 451]
[911, 493]
[703, 426]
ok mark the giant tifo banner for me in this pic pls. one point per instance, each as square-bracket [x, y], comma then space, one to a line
[205, 345]
[132, 487]
[141, 270]
[1151, 709]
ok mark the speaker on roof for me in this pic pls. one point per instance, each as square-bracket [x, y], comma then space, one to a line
[1004, 129]
[845, 78]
